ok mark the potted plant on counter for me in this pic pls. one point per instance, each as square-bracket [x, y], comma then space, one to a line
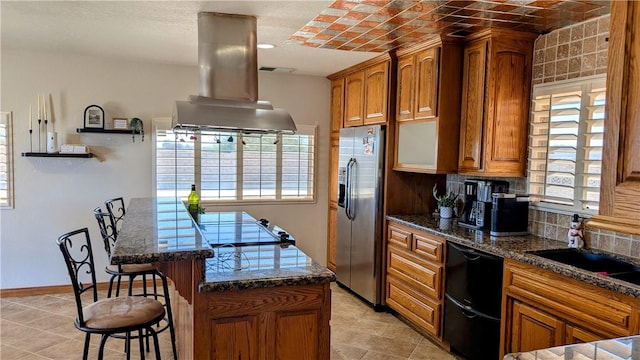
[445, 202]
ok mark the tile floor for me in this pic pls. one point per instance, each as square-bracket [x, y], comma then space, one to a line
[41, 327]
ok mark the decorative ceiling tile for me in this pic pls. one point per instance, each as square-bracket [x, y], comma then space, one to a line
[377, 26]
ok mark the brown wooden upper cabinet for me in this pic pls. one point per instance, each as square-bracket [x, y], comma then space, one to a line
[620, 182]
[337, 104]
[428, 107]
[366, 92]
[354, 99]
[495, 103]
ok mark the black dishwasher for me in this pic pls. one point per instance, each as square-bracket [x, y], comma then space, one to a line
[473, 300]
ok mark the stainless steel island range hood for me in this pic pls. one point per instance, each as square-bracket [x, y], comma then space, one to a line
[228, 82]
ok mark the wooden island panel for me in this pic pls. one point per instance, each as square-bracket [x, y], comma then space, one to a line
[263, 323]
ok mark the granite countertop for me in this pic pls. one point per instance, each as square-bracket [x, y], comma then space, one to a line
[158, 229]
[621, 348]
[517, 248]
[246, 267]
[161, 230]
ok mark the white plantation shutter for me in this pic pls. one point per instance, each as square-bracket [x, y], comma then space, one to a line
[218, 166]
[259, 166]
[175, 163]
[231, 166]
[298, 164]
[565, 147]
[6, 161]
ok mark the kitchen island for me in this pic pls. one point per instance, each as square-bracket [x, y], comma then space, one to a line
[238, 292]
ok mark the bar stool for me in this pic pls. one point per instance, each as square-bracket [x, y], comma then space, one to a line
[111, 316]
[131, 271]
[116, 209]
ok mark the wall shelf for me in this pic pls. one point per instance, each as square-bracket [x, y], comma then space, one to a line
[63, 155]
[108, 131]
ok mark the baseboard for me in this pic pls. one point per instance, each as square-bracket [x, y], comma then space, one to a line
[63, 289]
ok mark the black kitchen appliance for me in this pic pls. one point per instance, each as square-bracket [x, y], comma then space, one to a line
[478, 202]
[473, 299]
[509, 214]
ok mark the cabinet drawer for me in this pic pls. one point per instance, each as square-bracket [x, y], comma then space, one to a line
[413, 306]
[428, 246]
[399, 237]
[422, 275]
[577, 302]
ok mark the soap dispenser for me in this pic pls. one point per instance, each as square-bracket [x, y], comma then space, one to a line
[575, 236]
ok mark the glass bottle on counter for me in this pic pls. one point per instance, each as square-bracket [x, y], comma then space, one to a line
[193, 202]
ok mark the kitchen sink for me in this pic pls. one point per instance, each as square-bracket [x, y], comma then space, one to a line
[632, 277]
[602, 264]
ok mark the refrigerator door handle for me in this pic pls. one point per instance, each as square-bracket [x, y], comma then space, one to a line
[350, 204]
[347, 199]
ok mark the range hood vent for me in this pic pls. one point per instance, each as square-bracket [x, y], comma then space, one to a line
[228, 81]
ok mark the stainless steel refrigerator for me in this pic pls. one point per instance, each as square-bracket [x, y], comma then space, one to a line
[359, 225]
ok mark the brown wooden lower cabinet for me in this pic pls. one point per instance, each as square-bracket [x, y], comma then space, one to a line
[543, 309]
[414, 277]
[284, 322]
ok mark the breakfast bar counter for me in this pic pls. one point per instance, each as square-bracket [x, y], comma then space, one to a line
[237, 291]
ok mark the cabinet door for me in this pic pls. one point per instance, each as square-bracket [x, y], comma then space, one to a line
[296, 335]
[620, 186]
[532, 329]
[473, 100]
[376, 89]
[331, 238]
[235, 338]
[334, 148]
[507, 110]
[416, 145]
[405, 88]
[337, 104]
[354, 99]
[427, 73]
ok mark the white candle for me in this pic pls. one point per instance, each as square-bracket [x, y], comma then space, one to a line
[38, 106]
[44, 106]
[30, 118]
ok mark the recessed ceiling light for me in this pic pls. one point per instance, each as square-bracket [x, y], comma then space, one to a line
[266, 46]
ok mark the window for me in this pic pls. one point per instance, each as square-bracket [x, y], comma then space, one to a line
[229, 166]
[565, 147]
[6, 161]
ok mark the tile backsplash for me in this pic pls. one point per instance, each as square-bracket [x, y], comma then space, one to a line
[555, 226]
[572, 52]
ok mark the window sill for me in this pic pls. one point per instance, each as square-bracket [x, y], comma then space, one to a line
[562, 209]
[205, 203]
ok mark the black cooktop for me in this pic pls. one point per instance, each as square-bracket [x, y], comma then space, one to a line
[237, 228]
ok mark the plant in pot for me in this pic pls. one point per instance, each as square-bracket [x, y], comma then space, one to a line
[445, 202]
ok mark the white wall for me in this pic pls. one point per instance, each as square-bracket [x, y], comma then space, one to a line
[57, 195]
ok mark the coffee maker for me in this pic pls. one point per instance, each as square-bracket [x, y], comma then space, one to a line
[478, 202]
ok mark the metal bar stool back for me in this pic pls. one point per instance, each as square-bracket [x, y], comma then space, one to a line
[116, 209]
[109, 236]
[110, 316]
